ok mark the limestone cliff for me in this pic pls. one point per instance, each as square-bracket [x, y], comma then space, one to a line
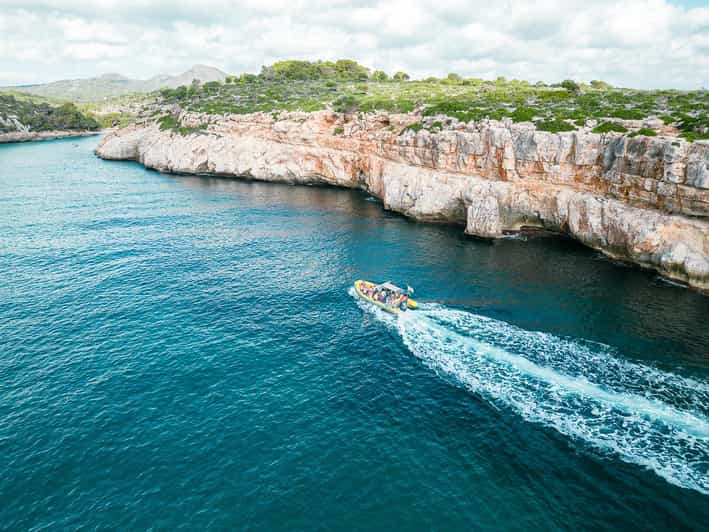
[642, 199]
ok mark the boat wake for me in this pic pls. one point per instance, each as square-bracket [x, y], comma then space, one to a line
[583, 389]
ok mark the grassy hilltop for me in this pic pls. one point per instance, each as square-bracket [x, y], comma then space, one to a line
[346, 86]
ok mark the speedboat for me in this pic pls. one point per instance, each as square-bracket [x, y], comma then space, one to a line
[386, 296]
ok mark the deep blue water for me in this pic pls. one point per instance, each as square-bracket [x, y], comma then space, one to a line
[184, 352]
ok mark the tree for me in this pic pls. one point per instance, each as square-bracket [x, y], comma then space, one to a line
[267, 72]
[570, 85]
[349, 69]
[345, 104]
[379, 75]
[600, 85]
[181, 92]
[454, 78]
[295, 69]
[401, 76]
[211, 85]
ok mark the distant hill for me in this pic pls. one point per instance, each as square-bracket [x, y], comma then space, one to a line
[111, 85]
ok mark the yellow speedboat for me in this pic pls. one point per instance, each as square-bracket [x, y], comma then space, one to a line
[386, 296]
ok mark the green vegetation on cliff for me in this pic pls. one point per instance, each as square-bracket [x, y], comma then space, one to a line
[18, 112]
[348, 87]
[608, 127]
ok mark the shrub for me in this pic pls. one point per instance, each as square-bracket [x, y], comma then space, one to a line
[211, 86]
[379, 75]
[401, 76]
[608, 127]
[600, 85]
[415, 127]
[522, 114]
[691, 136]
[339, 131]
[346, 103]
[645, 131]
[570, 85]
[168, 122]
[554, 125]
[693, 127]
[628, 114]
[555, 95]
[349, 69]
[182, 92]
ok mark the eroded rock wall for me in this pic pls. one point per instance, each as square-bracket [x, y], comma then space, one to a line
[642, 199]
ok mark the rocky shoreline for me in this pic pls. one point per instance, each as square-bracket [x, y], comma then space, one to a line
[32, 136]
[644, 200]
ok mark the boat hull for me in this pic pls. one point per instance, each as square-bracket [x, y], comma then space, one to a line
[358, 285]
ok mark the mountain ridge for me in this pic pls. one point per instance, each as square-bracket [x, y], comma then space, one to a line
[112, 84]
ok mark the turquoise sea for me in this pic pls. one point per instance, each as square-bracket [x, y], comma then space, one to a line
[184, 352]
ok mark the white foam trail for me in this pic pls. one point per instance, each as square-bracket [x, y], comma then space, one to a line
[584, 390]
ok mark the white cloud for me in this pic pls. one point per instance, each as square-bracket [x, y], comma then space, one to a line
[640, 43]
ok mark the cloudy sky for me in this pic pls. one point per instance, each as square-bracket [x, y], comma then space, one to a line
[635, 43]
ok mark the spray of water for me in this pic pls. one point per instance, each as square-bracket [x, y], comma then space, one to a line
[583, 389]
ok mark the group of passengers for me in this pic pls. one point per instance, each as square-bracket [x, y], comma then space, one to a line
[385, 296]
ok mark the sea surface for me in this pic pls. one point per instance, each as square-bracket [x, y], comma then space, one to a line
[185, 352]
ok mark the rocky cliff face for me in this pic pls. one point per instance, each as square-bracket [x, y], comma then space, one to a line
[642, 199]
